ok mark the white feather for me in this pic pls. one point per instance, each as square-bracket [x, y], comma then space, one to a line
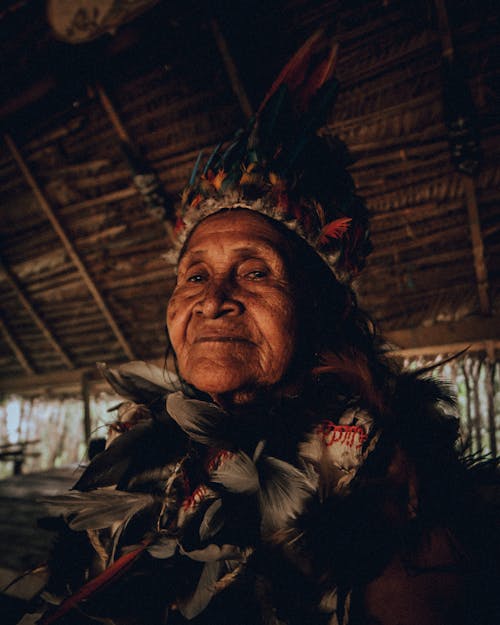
[140, 381]
[200, 420]
[284, 492]
[98, 508]
[238, 474]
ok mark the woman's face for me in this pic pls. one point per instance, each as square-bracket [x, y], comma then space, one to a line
[232, 317]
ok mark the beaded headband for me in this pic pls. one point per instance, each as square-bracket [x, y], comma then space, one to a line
[280, 167]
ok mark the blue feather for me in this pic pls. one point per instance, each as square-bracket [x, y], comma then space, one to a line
[195, 169]
[211, 158]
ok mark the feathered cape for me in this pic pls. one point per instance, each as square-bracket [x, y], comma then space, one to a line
[273, 517]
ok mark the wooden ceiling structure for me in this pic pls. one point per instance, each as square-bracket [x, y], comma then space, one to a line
[97, 135]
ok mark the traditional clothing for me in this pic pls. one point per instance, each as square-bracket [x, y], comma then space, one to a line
[278, 515]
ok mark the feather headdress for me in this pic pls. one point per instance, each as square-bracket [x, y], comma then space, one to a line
[281, 167]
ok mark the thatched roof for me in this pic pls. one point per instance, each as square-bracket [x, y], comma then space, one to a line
[84, 279]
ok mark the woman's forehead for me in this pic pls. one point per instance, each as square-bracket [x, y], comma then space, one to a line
[240, 230]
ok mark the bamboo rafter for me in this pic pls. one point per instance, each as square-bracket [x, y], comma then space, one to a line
[18, 352]
[47, 209]
[126, 140]
[85, 381]
[231, 69]
[477, 245]
[468, 182]
[28, 306]
[445, 348]
[470, 331]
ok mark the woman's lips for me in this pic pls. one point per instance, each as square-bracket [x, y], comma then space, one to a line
[222, 339]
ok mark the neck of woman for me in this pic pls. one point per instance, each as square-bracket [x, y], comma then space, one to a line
[248, 401]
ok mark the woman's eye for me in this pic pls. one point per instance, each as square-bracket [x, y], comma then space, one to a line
[257, 274]
[196, 277]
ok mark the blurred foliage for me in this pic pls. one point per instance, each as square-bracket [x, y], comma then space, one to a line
[475, 382]
[56, 425]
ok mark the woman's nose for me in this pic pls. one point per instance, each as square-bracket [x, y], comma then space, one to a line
[217, 300]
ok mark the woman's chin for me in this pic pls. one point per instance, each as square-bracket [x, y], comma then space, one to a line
[220, 381]
[229, 376]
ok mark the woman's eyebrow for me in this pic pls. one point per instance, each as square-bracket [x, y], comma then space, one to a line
[246, 249]
[194, 255]
[250, 251]
[197, 253]
[255, 250]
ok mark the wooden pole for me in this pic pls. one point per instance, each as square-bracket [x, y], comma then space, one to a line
[47, 209]
[106, 198]
[232, 72]
[478, 332]
[152, 192]
[490, 387]
[86, 406]
[477, 245]
[18, 352]
[476, 374]
[468, 181]
[444, 29]
[113, 116]
[67, 381]
[468, 405]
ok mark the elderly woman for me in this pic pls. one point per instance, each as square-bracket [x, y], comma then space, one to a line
[287, 474]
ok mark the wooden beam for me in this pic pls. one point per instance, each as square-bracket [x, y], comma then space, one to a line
[477, 245]
[47, 209]
[477, 332]
[36, 91]
[60, 382]
[435, 237]
[153, 192]
[468, 181]
[30, 384]
[86, 406]
[232, 72]
[55, 382]
[113, 116]
[451, 348]
[18, 352]
[490, 387]
[106, 198]
[444, 29]
[379, 115]
[28, 306]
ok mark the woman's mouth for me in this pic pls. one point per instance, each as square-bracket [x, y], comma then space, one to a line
[222, 339]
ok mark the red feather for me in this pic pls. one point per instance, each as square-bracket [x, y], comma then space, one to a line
[307, 71]
[352, 368]
[319, 76]
[334, 230]
[112, 573]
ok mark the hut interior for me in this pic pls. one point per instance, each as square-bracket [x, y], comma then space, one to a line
[104, 109]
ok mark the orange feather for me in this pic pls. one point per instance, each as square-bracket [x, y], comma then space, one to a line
[334, 230]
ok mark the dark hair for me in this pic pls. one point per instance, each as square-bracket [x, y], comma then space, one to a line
[330, 320]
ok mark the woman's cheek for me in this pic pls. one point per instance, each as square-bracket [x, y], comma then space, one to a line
[174, 319]
[175, 305]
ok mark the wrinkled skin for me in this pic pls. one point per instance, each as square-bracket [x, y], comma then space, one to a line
[232, 318]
